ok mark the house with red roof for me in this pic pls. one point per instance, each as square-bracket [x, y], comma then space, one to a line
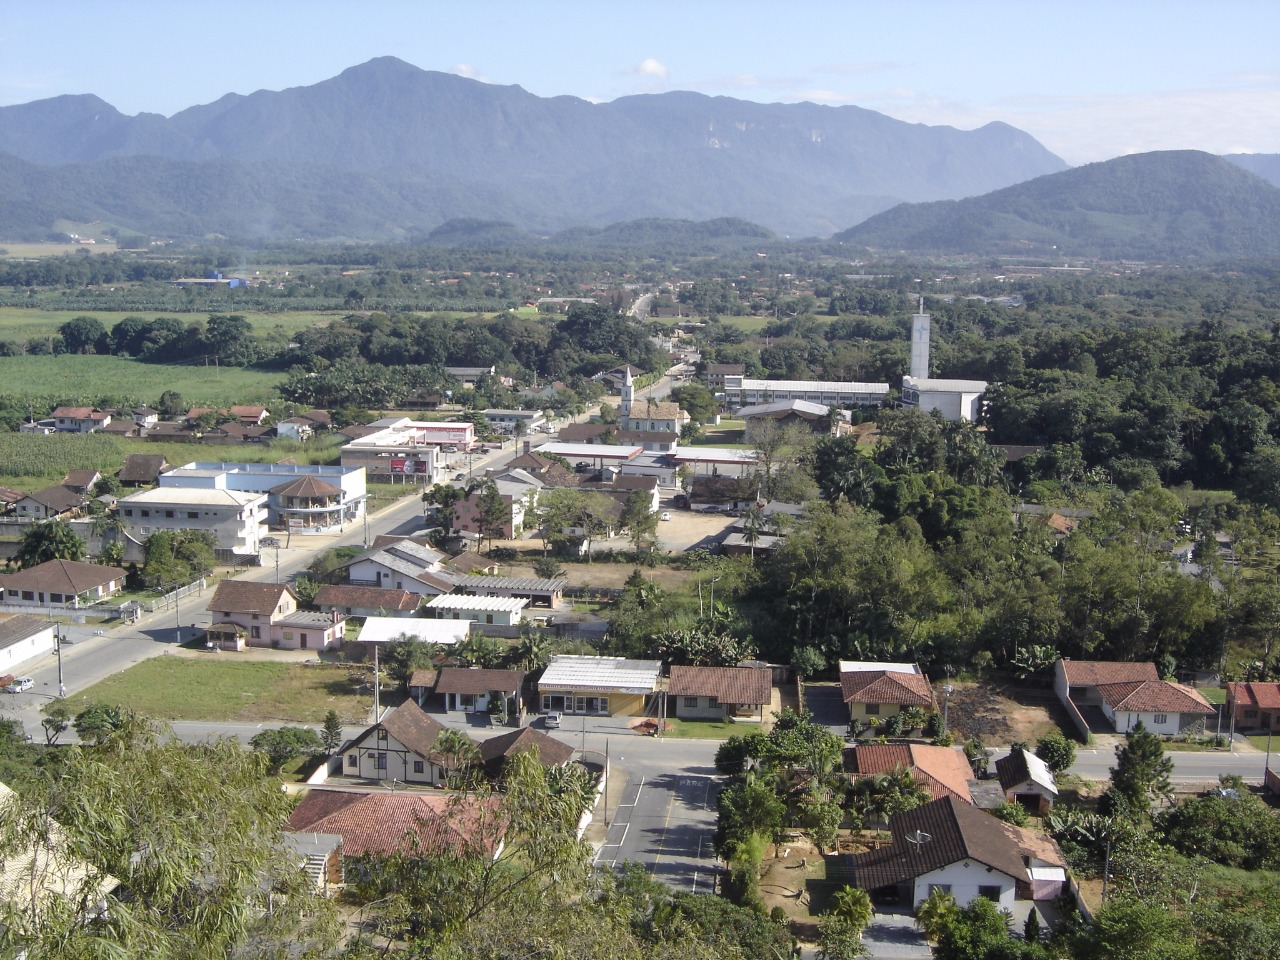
[382, 823]
[1127, 693]
[1254, 705]
[80, 419]
[874, 691]
[720, 693]
[943, 771]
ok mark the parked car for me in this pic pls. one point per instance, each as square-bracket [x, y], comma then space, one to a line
[665, 515]
[552, 720]
[20, 685]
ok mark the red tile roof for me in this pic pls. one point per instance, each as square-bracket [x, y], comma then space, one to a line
[366, 598]
[306, 487]
[943, 771]
[1265, 696]
[248, 596]
[385, 823]
[886, 686]
[748, 686]
[62, 576]
[1153, 696]
[1092, 673]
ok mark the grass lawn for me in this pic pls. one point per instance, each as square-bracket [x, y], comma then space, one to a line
[1261, 740]
[217, 687]
[1213, 694]
[705, 729]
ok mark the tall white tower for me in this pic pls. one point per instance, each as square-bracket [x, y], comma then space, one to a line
[629, 392]
[920, 344]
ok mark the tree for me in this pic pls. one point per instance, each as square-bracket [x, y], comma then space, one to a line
[493, 513]
[838, 939]
[549, 568]
[331, 734]
[85, 335]
[1142, 771]
[405, 654]
[853, 905]
[460, 754]
[175, 557]
[98, 722]
[56, 719]
[191, 832]
[1058, 752]
[50, 540]
[936, 913]
[639, 519]
[443, 496]
[172, 404]
[283, 744]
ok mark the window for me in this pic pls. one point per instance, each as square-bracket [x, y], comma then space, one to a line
[873, 709]
[382, 735]
[352, 760]
[936, 887]
[288, 636]
[381, 763]
[255, 632]
[1161, 718]
[128, 513]
[488, 618]
[989, 892]
[1251, 714]
[417, 766]
[690, 701]
[193, 514]
[169, 514]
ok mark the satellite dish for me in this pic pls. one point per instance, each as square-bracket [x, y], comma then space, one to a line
[919, 838]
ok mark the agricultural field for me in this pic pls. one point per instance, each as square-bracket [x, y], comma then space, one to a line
[32, 251]
[20, 324]
[86, 376]
[30, 461]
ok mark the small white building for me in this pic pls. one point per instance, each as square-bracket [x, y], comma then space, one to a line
[742, 391]
[953, 399]
[237, 519]
[513, 423]
[23, 638]
[1026, 779]
[506, 611]
[385, 629]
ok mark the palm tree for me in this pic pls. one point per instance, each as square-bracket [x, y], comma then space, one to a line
[459, 754]
[531, 652]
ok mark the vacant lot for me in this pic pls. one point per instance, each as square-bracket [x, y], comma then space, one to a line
[92, 376]
[997, 713]
[219, 688]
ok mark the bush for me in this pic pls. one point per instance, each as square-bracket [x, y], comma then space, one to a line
[1058, 752]
[1014, 813]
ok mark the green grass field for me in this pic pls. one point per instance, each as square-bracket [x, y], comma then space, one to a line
[21, 324]
[92, 376]
[33, 251]
[218, 687]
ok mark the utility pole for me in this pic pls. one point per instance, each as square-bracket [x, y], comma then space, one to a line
[59, 637]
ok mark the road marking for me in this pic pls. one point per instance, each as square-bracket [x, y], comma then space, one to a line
[639, 787]
[662, 840]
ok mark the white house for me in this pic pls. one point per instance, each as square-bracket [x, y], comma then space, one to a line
[385, 629]
[1162, 707]
[506, 611]
[23, 638]
[237, 520]
[400, 747]
[1026, 779]
[403, 565]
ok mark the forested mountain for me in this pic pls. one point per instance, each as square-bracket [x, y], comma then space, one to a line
[388, 150]
[1265, 165]
[1174, 205]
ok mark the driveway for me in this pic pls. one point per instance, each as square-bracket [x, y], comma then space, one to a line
[893, 935]
[826, 703]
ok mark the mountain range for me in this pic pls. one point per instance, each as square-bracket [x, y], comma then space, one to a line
[1168, 205]
[387, 151]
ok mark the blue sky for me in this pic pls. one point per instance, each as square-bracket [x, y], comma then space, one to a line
[1091, 80]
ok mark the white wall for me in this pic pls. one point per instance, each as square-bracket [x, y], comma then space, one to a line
[964, 878]
[16, 654]
[399, 763]
[1126, 720]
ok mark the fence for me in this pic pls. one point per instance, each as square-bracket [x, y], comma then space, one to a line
[174, 596]
[1271, 781]
[1076, 717]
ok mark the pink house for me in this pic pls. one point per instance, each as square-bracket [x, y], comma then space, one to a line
[246, 613]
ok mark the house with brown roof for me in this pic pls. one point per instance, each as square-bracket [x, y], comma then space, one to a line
[142, 469]
[249, 415]
[80, 419]
[66, 583]
[81, 481]
[1159, 705]
[720, 693]
[401, 746]
[384, 822]
[1026, 779]
[874, 691]
[943, 771]
[951, 845]
[366, 601]
[471, 690]
[1254, 705]
[249, 613]
[496, 751]
[50, 503]
[23, 638]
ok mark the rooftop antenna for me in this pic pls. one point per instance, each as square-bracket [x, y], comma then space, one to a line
[919, 839]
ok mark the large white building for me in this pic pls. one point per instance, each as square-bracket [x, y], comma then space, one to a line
[745, 391]
[301, 498]
[404, 447]
[237, 519]
[953, 399]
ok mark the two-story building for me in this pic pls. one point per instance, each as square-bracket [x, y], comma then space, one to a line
[80, 419]
[401, 746]
[248, 613]
[237, 520]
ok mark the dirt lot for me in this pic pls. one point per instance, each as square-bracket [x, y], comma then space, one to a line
[783, 876]
[998, 713]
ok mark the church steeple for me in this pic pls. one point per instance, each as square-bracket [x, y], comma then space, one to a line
[628, 393]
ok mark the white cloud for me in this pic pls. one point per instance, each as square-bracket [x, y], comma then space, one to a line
[650, 67]
[470, 72]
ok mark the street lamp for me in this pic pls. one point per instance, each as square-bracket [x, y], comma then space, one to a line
[58, 639]
[273, 542]
[946, 706]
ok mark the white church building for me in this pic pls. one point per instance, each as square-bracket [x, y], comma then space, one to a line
[953, 399]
